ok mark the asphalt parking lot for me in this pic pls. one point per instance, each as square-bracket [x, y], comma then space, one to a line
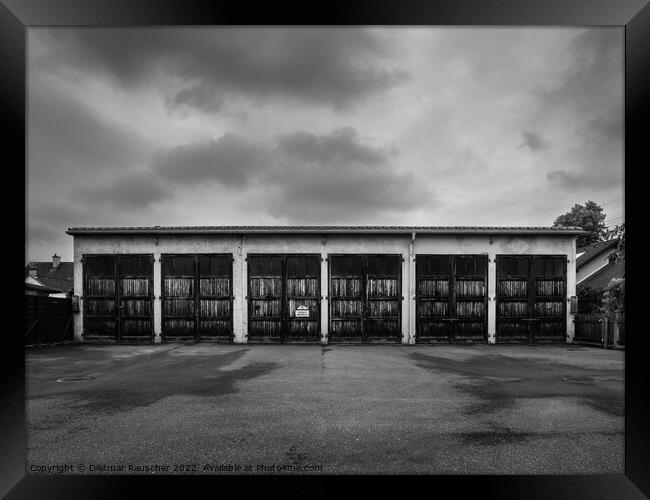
[205, 408]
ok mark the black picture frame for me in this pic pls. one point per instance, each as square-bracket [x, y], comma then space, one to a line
[631, 15]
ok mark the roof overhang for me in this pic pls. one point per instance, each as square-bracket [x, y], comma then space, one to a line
[43, 288]
[243, 230]
[586, 256]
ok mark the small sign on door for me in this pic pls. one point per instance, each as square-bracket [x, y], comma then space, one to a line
[302, 312]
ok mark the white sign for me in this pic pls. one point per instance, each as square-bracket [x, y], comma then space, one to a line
[302, 312]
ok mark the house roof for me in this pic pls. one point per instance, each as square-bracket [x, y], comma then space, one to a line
[602, 277]
[594, 250]
[42, 289]
[61, 278]
[572, 231]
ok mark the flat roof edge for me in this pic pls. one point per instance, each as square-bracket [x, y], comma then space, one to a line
[323, 230]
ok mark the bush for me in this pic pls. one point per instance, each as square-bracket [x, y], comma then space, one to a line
[614, 296]
[590, 300]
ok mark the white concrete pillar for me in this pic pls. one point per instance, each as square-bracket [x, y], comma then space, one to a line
[157, 297]
[411, 292]
[78, 321]
[239, 290]
[324, 292]
[492, 297]
[405, 289]
[570, 291]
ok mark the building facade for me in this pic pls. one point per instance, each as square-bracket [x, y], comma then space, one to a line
[324, 284]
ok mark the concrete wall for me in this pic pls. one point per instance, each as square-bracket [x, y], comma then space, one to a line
[404, 245]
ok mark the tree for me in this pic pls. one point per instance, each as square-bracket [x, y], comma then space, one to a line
[590, 217]
[620, 248]
[590, 300]
[614, 296]
[615, 232]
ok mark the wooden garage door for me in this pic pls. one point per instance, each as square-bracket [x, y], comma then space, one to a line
[365, 298]
[451, 293]
[118, 298]
[197, 297]
[531, 298]
[284, 298]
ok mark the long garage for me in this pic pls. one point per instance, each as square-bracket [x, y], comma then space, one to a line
[324, 284]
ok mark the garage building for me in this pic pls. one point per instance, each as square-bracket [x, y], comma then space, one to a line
[324, 284]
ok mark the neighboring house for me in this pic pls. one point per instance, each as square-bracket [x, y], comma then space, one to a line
[49, 278]
[594, 258]
[600, 279]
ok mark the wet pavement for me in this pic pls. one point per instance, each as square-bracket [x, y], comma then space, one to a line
[207, 408]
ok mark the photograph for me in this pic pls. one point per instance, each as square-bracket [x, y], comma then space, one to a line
[318, 250]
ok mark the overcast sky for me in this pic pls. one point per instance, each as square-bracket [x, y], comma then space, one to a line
[416, 126]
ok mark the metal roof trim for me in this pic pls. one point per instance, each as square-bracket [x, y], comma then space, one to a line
[324, 230]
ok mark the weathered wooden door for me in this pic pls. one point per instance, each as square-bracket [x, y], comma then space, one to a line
[365, 298]
[135, 297]
[178, 274]
[531, 298]
[346, 298]
[451, 293]
[100, 322]
[549, 298]
[302, 295]
[197, 297]
[118, 298]
[283, 298]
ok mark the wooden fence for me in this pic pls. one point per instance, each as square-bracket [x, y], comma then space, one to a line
[47, 320]
[599, 330]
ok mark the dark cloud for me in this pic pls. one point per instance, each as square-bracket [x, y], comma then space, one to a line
[532, 140]
[337, 176]
[585, 95]
[54, 212]
[39, 233]
[133, 190]
[230, 160]
[608, 126]
[326, 195]
[341, 146]
[588, 102]
[65, 136]
[595, 179]
[333, 67]
[301, 175]
[596, 65]
[567, 179]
